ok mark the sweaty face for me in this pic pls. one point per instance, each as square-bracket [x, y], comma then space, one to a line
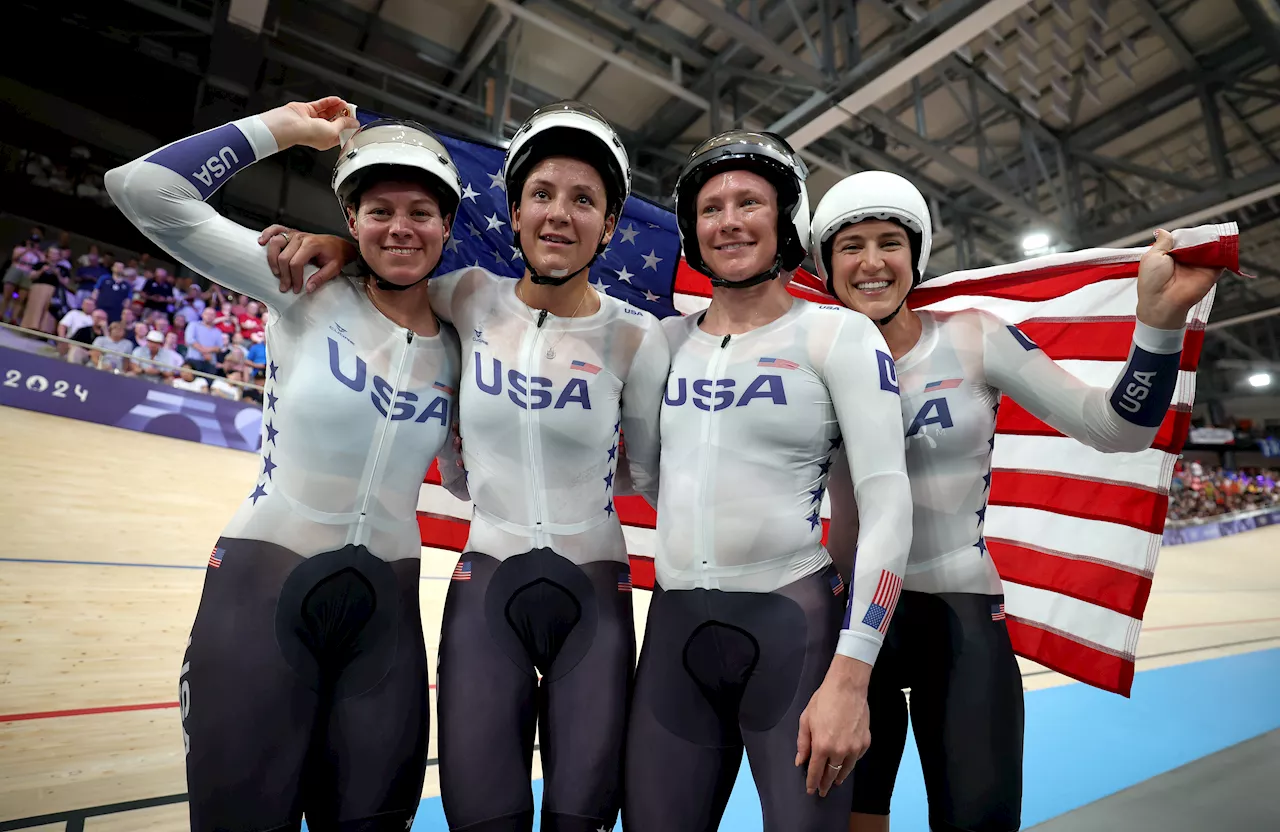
[738, 224]
[399, 230]
[561, 216]
[871, 267]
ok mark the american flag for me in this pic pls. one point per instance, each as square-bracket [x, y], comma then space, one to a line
[444, 388]
[624, 582]
[462, 572]
[1074, 533]
[948, 384]
[837, 584]
[779, 363]
[880, 613]
[997, 612]
[215, 557]
[585, 367]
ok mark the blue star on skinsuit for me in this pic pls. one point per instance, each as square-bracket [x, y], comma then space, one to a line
[608, 480]
[981, 546]
[272, 367]
[268, 466]
[814, 521]
[617, 425]
[608, 508]
[825, 466]
[836, 443]
[271, 433]
[982, 515]
[613, 450]
[986, 478]
[271, 401]
[992, 442]
[258, 492]
[816, 495]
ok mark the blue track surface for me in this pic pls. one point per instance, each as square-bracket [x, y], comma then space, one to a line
[1081, 744]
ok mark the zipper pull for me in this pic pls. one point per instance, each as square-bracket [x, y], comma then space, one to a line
[408, 333]
[725, 342]
[542, 316]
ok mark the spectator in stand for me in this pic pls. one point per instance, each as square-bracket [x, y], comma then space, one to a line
[87, 335]
[226, 388]
[251, 320]
[234, 360]
[192, 305]
[90, 267]
[27, 257]
[158, 293]
[171, 343]
[74, 320]
[163, 361]
[139, 279]
[128, 318]
[227, 321]
[256, 355]
[114, 341]
[179, 330]
[187, 380]
[47, 278]
[114, 292]
[140, 330]
[1199, 493]
[205, 342]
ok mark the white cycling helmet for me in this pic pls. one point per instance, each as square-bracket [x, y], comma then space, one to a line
[872, 195]
[385, 144]
[573, 129]
[768, 155]
[386, 148]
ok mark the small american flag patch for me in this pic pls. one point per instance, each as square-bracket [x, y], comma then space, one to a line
[215, 557]
[779, 363]
[837, 584]
[624, 582]
[441, 386]
[997, 612]
[881, 610]
[944, 385]
[584, 367]
[462, 572]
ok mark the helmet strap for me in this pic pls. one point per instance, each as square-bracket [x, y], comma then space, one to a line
[763, 277]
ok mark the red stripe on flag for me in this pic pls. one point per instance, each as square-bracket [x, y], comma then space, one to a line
[433, 474]
[636, 511]
[1099, 340]
[642, 574]
[1091, 665]
[1014, 419]
[1096, 583]
[1037, 285]
[1088, 499]
[691, 282]
[443, 532]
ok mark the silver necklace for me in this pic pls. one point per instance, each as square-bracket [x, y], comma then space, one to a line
[551, 350]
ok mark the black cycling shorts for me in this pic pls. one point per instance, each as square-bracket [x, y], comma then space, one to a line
[304, 691]
[534, 641]
[720, 670]
[953, 651]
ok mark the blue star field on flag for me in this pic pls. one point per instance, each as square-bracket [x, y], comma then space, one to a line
[638, 266]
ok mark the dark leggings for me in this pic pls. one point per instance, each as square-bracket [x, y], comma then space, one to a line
[534, 641]
[304, 691]
[953, 651]
[720, 671]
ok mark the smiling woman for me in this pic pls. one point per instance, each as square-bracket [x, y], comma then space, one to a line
[314, 581]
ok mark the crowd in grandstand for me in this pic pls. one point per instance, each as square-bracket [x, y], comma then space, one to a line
[133, 317]
[1200, 491]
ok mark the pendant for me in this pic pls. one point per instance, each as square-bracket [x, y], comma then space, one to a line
[551, 353]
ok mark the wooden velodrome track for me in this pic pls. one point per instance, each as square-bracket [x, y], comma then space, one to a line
[90, 651]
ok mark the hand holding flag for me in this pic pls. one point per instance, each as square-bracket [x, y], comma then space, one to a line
[1167, 287]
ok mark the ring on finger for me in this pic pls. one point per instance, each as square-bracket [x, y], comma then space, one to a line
[836, 768]
[285, 234]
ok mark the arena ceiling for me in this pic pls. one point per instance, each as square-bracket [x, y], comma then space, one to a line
[1091, 121]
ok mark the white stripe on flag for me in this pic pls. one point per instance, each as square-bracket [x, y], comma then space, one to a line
[1097, 540]
[434, 499]
[1182, 238]
[1111, 630]
[1061, 455]
[688, 304]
